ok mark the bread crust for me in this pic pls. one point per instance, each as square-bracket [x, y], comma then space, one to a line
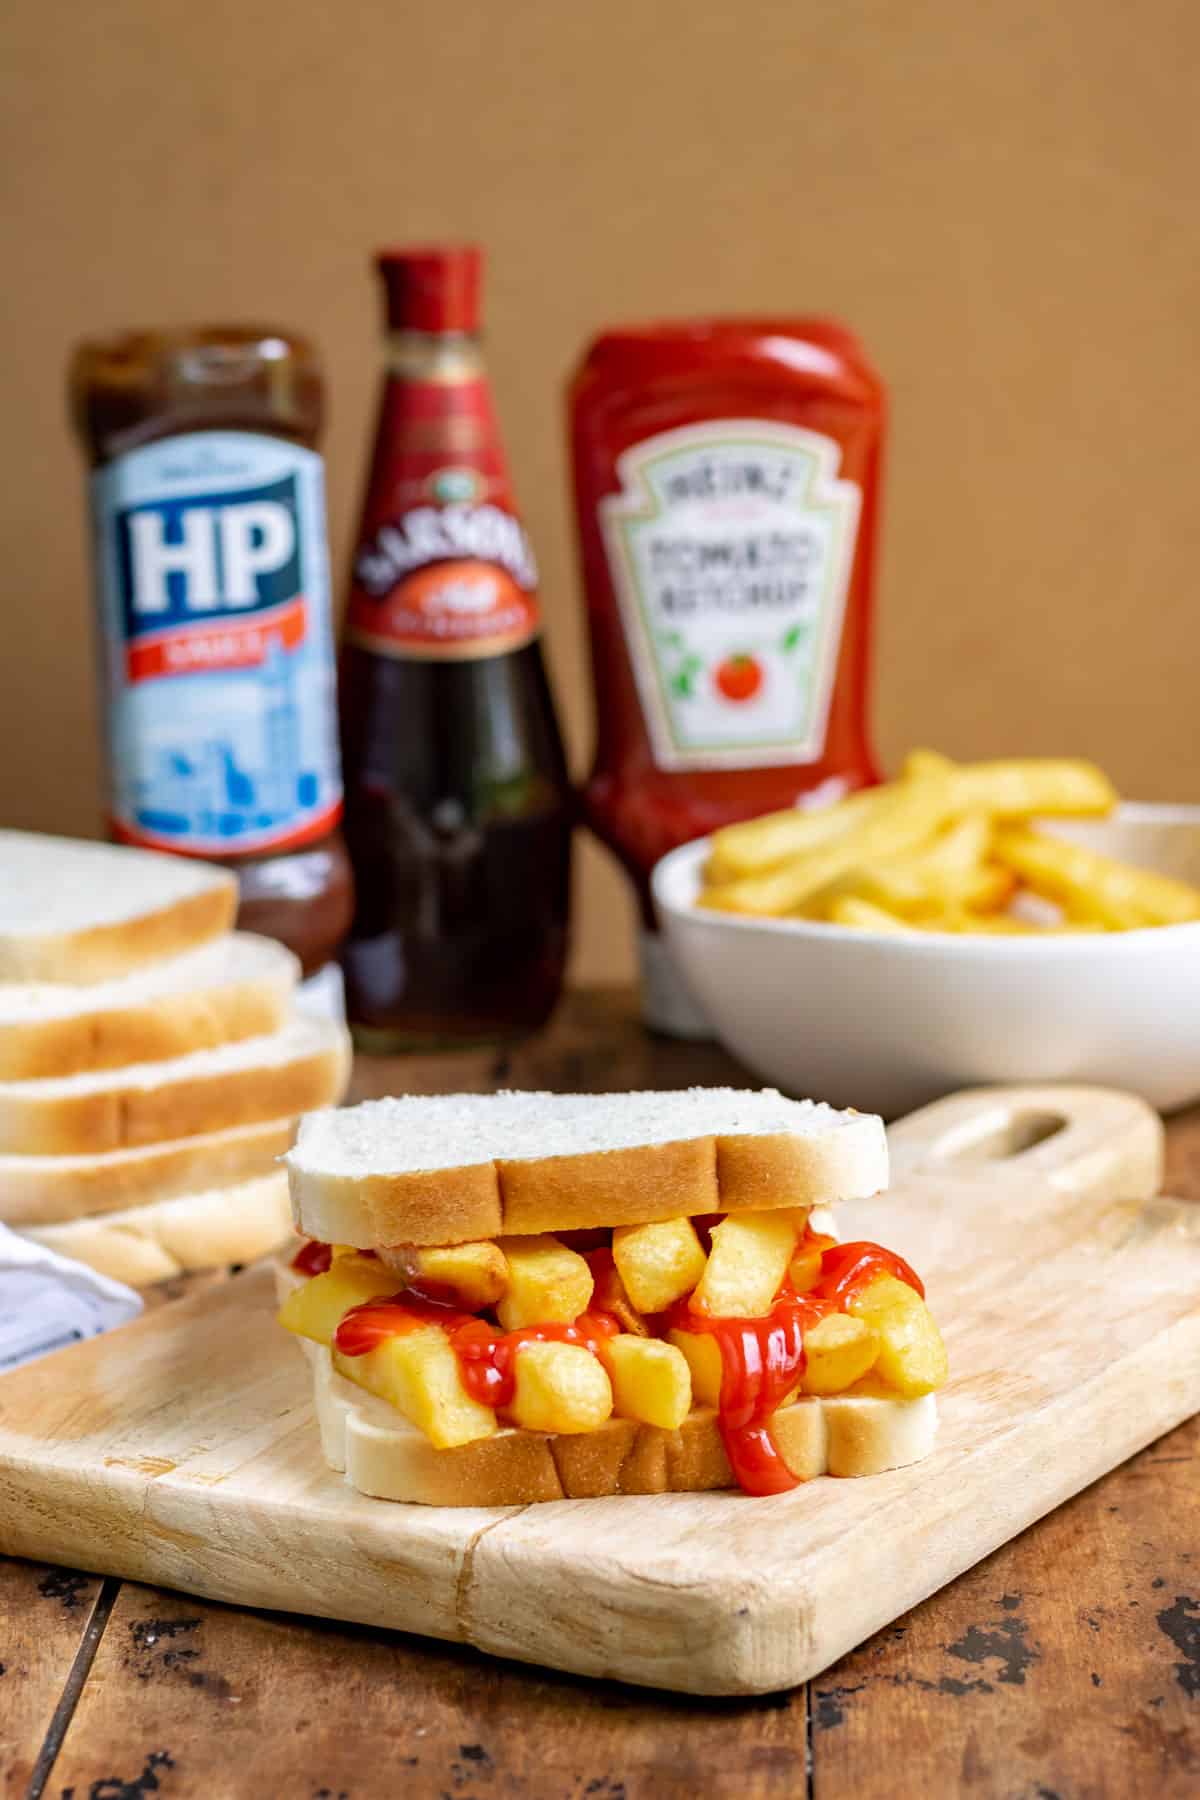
[859, 1433]
[51, 1190]
[194, 1231]
[119, 1117]
[152, 1030]
[596, 1188]
[106, 952]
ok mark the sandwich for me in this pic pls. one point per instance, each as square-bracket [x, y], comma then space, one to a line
[517, 1297]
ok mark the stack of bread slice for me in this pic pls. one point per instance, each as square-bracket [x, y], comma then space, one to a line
[153, 1062]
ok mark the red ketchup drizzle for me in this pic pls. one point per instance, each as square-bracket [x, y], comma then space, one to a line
[370, 1324]
[761, 1362]
[847, 1269]
[763, 1359]
[313, 1258]
[485, 1353]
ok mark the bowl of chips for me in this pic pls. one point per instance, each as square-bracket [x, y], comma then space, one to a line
[966, 923]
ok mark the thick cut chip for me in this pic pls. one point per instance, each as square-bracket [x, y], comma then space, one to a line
[658, 1263]
[804, 1270]
[911, 1356]
[559, 1387]
[417, 1371]
[703, 1355]
[316, 1308]
[650, 1379]
[609, 1294]
[838, 1351]
[548, 1284]
[471, 1275]
[748, 1261]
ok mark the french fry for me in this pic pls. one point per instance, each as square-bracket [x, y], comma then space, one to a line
[848, 909]
[748, 1261]
[948, 871]
[758, 844]
[947, 860]
[417, 1371]
[658, 1263]
[958, 920]
[1019, 788]
[919, 765]
[472, 1275]
[559, 1387]
[548, 1284]
[946, 848]
[1094, 887]
[650, 1379]
[903, 816]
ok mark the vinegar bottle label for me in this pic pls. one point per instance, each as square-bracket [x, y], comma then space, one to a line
[730, 546]
[444, 568]
[217, 644]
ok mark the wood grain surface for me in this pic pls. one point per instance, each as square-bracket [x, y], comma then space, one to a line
[182, 1448]
[1066, 1664]
[46, 1614]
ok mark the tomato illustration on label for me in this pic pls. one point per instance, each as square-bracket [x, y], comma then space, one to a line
[739, 677]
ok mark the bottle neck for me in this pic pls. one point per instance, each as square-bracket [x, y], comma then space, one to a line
[449, 356]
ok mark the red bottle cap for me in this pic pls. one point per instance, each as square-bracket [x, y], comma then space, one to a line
[432, 290]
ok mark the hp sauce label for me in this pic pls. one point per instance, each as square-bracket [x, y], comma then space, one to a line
[217, 648]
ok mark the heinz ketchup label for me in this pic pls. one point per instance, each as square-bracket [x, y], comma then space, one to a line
[444, 568]
[730, 546]
[217, 643]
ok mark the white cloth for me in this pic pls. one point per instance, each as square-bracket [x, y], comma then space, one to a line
[47, 1301]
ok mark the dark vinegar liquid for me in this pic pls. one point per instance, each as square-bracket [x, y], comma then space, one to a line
[458, 820]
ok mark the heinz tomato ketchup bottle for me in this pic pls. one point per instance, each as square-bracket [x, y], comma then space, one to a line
[458, 807]
[216, 642]
[726, 484]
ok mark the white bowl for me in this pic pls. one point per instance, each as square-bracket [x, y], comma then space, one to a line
[887, 1023]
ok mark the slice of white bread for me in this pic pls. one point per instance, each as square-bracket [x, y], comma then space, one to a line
[172, 1237]
[76, 911]
[859, 1433]
[236, 987]
[304, 1065]
[445, 1169]
[49, 1190]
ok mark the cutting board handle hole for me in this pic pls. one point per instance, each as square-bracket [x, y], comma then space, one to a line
[995, 1138]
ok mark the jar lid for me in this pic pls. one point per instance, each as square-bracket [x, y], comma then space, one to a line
[432, 289]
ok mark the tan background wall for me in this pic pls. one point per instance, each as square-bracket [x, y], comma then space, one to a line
[1000, 196]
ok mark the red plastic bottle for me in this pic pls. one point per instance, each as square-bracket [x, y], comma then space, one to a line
[458, 807]
[727, 489]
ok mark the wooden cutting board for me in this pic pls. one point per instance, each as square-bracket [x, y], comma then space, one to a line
[181, 1449]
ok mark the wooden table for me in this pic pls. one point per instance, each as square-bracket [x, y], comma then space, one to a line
[1065, 1666]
